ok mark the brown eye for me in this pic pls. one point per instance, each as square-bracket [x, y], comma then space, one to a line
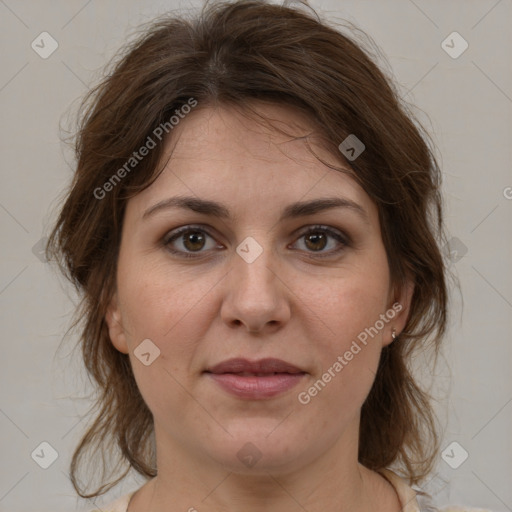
[318, 238]
[316, 241]
[193, 240]
[188, 240]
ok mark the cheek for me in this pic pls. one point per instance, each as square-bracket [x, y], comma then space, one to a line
[347, 367]
[155, 302]
[154, 307]
[166, 308]
[347, 306]
[347, 340]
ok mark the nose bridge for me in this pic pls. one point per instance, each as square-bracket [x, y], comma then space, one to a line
[254, 297]
[252, 264]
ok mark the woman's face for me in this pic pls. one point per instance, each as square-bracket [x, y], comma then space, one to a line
[246, 280]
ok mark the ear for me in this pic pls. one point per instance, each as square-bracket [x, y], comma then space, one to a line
[399, 306]
[115, 326]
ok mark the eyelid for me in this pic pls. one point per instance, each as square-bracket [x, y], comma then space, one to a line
[323, 227]
[340, 236]
[175, 234]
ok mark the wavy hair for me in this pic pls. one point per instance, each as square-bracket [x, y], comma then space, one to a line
[234, 53]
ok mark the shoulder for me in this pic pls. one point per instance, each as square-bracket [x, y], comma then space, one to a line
[463, 509]
[416, 501]
[118, 505]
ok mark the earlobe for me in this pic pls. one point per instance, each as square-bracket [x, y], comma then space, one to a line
[115, 326]
[401, 306]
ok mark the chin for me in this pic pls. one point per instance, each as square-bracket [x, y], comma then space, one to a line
[258, 452]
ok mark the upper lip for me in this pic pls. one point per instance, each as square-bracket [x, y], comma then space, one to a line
[240, 365]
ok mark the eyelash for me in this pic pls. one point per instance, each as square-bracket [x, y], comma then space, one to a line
[175, 234]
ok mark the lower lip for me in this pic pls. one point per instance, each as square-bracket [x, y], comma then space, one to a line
[254, 387]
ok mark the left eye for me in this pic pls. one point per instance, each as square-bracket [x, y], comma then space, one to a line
[316, 238]
[193, 240]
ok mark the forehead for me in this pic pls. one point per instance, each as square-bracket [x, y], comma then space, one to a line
[232, 132]
[221, 152]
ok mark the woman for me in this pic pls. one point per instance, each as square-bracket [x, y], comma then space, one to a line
[254, 225]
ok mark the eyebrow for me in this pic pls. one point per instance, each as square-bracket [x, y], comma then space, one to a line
[293, 210]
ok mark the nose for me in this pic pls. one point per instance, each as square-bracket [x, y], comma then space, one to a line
[256, 297]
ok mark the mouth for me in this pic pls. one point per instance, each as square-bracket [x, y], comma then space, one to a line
[262, 367]
[255, 380]
[252, 374]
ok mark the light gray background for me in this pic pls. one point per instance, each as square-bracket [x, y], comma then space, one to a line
[467, 105]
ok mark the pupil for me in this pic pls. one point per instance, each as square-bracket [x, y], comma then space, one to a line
[315, 238]
[194, 238]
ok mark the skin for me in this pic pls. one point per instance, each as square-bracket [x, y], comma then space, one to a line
[289, 303]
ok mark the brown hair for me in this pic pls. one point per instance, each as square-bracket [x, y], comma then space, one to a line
[234, 52]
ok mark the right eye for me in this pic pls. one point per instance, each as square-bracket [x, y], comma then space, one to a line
[189, 239]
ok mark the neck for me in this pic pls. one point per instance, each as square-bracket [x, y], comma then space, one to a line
[333, 481]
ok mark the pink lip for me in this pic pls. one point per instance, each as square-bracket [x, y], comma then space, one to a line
[270, 377]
